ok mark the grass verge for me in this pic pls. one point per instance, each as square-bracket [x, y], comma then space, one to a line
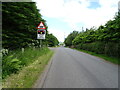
[27, 76]
[107, 58]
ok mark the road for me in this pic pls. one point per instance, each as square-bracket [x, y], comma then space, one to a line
[73, 69]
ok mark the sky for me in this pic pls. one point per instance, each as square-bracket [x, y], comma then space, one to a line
[65, 16]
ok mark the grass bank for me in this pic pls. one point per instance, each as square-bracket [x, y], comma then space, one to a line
[105, 57]
[26, 77]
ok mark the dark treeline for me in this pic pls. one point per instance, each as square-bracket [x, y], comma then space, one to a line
[103, 40]
[19, 23]
[19, 36]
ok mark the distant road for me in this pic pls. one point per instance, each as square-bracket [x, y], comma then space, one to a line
[73, 69]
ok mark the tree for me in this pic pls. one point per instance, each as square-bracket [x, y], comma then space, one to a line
[52, 40]
[70, 38]
[19, 24]
[104, 40]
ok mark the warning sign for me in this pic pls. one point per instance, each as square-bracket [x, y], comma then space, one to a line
[41, 26]
[41, 31]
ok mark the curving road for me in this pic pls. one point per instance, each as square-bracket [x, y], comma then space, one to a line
[73, 69]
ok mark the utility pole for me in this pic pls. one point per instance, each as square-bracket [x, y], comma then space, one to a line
[119, 6]
[82, 29]
[64, 36]
[64, 39]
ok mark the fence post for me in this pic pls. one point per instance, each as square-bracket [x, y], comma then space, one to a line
[23, 50]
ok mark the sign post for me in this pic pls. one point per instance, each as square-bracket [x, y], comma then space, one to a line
[41, 32]
[40, 42]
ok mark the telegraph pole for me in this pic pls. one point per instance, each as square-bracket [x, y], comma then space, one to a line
[119, 6]
[82, 29]
[64, 36]
[64, 39]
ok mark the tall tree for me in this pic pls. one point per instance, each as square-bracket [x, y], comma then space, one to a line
[20, 20]
[52, 40]
[70, 38]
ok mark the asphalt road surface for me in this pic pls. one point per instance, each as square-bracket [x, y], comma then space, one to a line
[73, 69]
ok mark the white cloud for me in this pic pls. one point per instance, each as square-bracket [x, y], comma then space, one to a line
[91, 17]
[50, 8]
[58, 33]
[74, 12]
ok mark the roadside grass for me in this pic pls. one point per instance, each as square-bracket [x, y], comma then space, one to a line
[105, 57]
[16, 60]
[27, 76]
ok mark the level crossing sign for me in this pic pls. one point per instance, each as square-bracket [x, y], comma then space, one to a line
[41, 31]
[41, 26]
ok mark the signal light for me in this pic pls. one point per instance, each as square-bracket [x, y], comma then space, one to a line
[41, 31]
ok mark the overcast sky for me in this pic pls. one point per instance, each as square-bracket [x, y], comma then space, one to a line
[64, 16]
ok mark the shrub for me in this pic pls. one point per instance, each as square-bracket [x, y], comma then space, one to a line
[18, 59]
[10, 65]
[110, 48]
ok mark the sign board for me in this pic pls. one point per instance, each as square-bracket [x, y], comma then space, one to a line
[41, 31]
[41, 34]
[41, 26]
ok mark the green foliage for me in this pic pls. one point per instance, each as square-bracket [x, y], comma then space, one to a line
[28, 75]
[71, 36]
[110, 32]
[10, 64]
[19, 24]
[104, 40]
[85, 37]
[110, 49]
[18, 59]
[52, 40]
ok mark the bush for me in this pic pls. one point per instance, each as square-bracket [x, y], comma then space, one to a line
[10, 65]
[18, 59]
[110, 48]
